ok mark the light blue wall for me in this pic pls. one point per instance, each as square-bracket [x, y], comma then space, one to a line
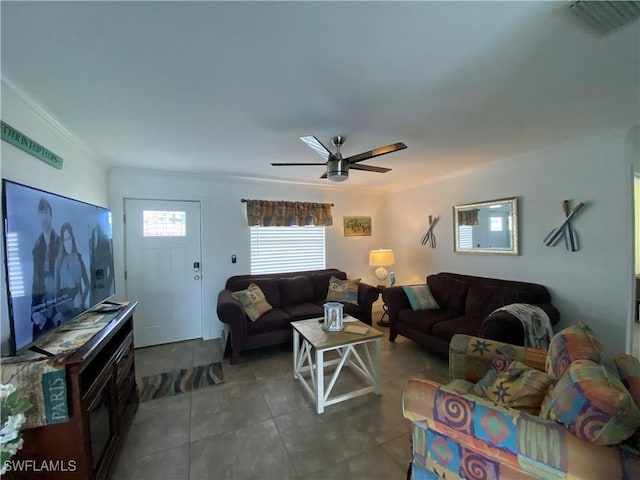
[593, 284]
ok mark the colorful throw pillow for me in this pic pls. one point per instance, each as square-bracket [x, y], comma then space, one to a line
[629, 370]
[253, 301]
[420, 297]
[574, 343]
[518, 386]
[343, 290]
[592, 403]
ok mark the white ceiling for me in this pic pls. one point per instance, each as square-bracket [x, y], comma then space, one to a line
[225, 88]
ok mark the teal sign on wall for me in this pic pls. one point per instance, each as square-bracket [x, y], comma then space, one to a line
[24, 143]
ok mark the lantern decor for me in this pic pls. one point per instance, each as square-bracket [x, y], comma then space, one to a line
[333, 317]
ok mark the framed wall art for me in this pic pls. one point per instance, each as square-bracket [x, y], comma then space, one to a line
[357, 226]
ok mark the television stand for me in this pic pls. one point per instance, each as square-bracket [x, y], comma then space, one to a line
[102, 398]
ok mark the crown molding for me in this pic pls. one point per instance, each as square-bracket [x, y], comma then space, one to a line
[45, 116]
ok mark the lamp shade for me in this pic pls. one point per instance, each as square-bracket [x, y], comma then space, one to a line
[381, 258]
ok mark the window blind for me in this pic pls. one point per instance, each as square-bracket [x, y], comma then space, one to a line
[287, 249]
[465, 235]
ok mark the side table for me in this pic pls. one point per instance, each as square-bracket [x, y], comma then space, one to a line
[385, 309]
[311, 342]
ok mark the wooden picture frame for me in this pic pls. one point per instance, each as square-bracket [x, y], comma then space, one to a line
[357, 226]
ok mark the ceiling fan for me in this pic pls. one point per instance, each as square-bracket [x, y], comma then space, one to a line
[338, 167]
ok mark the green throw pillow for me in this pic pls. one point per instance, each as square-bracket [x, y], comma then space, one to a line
[518, 386]
[343, 290]
[253, 301]
[420, 297]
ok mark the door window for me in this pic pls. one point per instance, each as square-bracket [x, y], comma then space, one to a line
[163, 223]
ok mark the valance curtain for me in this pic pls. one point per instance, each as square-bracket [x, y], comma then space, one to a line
[468, 217]
[268, 213]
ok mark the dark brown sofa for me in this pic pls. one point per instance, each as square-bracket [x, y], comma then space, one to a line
[293, 296]
[466, 303]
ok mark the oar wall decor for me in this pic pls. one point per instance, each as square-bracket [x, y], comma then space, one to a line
[429, 237]
[565, 229]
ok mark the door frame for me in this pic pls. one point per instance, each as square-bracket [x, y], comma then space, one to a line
[205, 259]
[633, 341]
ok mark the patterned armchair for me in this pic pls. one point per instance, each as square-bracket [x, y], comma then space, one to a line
[457, 434]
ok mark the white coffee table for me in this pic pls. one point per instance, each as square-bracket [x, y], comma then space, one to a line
[310, 342]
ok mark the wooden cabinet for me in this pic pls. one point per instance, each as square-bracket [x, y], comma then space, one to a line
[102, 398]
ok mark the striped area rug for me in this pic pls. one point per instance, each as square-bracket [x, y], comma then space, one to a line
[179, 381]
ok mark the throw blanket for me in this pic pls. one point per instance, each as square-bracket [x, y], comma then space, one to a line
[536, 324]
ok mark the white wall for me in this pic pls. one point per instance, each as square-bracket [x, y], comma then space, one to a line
[83, 176]
[225, 231]
[593, 284]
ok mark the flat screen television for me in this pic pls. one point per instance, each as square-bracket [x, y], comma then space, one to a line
[58, 260]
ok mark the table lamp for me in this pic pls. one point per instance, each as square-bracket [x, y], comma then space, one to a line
[381, 258]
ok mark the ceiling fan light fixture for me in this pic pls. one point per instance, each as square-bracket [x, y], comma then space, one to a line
[337, 170]
[338, 167]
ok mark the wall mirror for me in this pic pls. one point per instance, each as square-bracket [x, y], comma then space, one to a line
[486, 227]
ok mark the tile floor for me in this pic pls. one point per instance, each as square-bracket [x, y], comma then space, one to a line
[261, 424]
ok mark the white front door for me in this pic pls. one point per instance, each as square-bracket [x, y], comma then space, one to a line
[163, 271]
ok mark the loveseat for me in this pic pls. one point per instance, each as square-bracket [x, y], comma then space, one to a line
[457, 433]
[293, 296]
[465, 305]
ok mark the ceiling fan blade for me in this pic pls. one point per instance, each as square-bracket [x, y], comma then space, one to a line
[369, 168]
[295, 164]
[317, 145]
[394, 147]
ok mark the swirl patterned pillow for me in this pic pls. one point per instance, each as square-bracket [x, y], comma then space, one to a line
[574, 343]
[253, 301]
[516, 386]
[629, 369]
[591, 401]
